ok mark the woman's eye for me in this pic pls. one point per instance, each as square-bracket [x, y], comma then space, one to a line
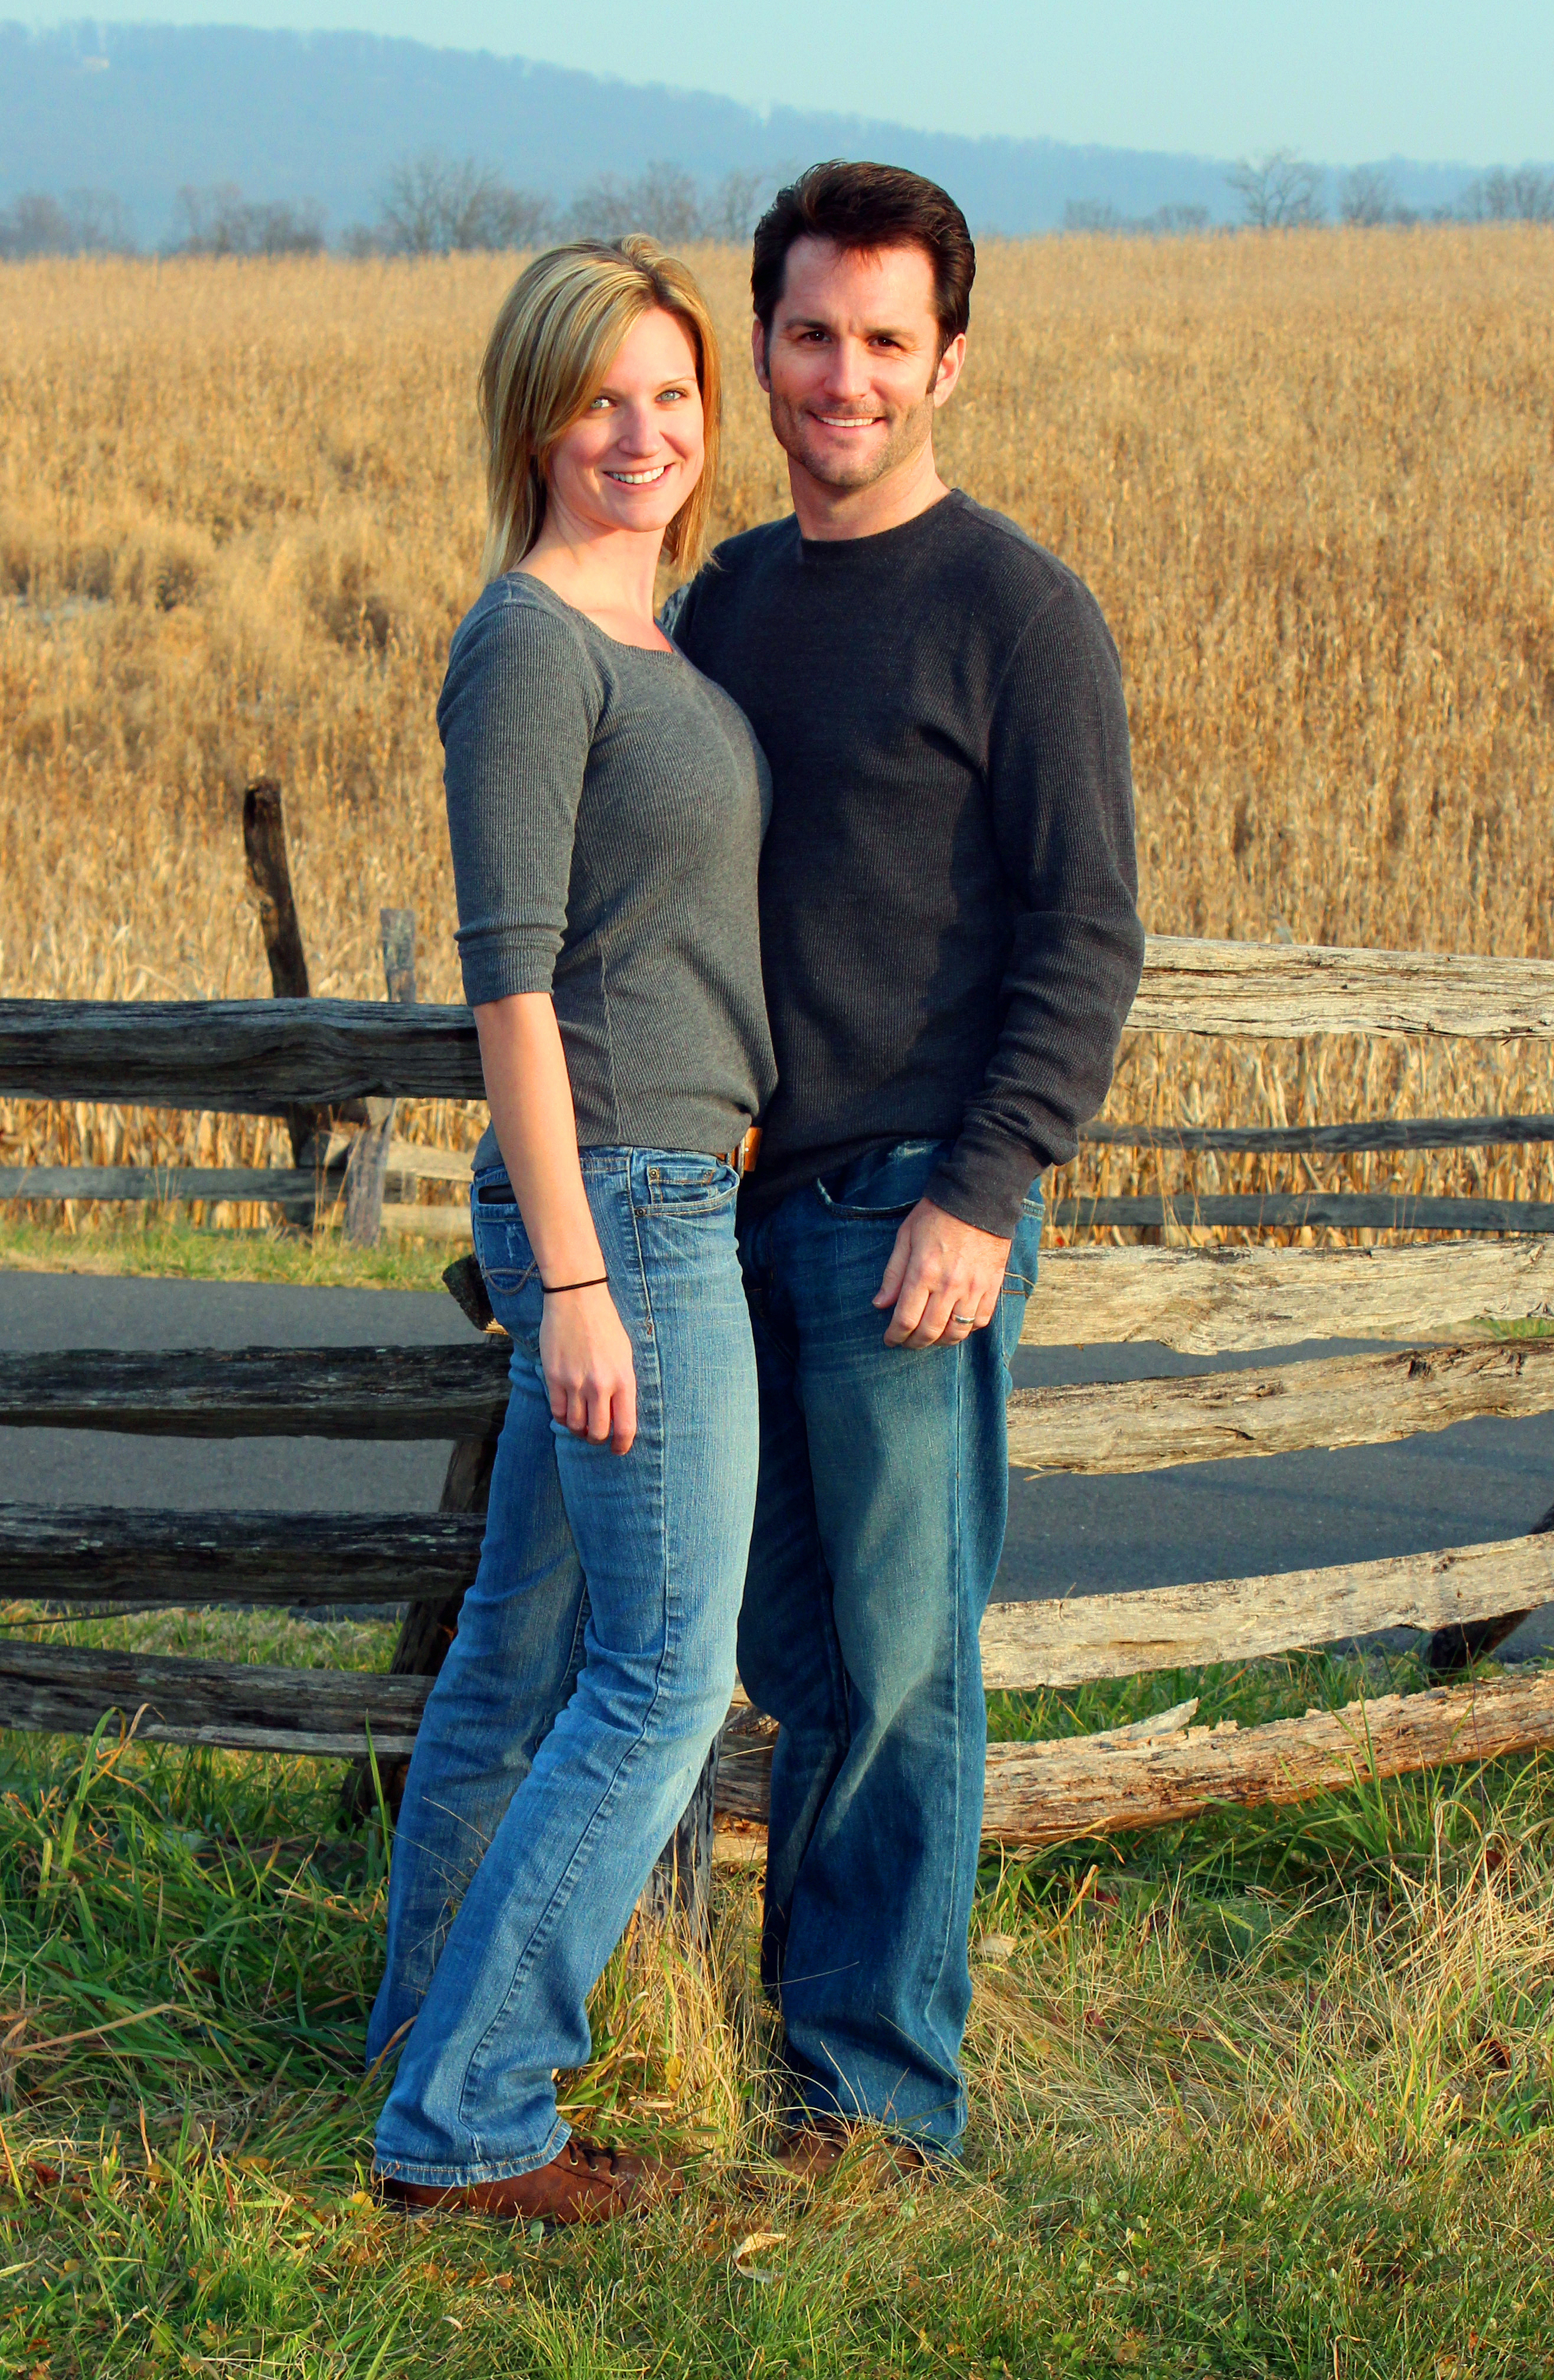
[673, 396]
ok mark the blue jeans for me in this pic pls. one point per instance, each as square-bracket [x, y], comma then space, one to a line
[591, 1669]
[879, 1521]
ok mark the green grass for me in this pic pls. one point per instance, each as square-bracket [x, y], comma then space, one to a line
[176, 1251]
[1261, 2094]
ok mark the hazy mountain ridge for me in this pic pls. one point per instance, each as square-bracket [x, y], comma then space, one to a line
[142, 110]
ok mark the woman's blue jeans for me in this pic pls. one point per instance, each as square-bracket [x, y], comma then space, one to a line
[592, 1668]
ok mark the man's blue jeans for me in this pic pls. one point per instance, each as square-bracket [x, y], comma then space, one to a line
[591, 1669]
[879, 1521]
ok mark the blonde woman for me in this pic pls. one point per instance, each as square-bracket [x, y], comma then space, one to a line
[605, 805]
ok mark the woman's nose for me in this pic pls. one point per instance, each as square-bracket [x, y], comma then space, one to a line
[637, 432]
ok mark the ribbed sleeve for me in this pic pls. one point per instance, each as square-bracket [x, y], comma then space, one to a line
[517, 716]
[1062, 795]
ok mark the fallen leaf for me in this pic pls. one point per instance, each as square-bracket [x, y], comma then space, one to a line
[754, 2242]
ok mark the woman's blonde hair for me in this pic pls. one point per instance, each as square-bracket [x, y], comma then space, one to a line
[560, 325]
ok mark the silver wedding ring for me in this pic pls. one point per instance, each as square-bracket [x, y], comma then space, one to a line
[963, 1318]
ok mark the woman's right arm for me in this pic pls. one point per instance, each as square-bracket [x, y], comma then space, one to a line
[584, 1350]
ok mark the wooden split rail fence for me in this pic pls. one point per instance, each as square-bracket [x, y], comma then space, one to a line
[308, 1059]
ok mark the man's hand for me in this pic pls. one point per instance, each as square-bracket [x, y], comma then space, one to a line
[944, 1279]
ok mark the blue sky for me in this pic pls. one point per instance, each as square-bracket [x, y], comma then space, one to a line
[1343, 81]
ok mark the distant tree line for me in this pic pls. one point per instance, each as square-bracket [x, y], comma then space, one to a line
[428, 205]
[1284, 190]
[1166, 223]
[433, 205]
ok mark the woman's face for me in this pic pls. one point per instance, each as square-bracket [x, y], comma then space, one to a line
[633, 458]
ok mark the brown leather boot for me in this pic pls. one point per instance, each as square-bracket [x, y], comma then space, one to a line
[580, 2184]
[813, 2150]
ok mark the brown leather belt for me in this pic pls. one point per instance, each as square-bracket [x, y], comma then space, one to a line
[742, 1158]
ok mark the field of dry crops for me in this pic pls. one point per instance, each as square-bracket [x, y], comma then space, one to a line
[1310, 477]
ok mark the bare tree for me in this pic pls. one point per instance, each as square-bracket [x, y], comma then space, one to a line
[508, 219]
[1092, 215]
[432, 205]
[1179, 218]
[729, 212]
[1523, 196]
[662, 201]
[1279, 192]
[33, 225]
[1167, 222]
[218, 221]
[84, 223]
[1368, 196]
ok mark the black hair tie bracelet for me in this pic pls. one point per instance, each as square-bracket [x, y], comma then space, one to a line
[600, 1281]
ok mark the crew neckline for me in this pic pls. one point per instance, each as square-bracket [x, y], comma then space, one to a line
[575, 612]
[828, 553]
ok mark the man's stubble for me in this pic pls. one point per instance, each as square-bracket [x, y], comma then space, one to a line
[908, 434]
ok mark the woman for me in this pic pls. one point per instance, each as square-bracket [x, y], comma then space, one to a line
[606, 805]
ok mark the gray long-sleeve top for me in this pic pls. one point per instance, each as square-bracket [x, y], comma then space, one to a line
[949, 920]
[606, 807]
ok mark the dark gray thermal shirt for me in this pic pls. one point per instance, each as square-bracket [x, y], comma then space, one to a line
[606, 807]
[947, 891]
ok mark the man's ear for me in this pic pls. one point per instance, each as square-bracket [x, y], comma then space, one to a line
[758, 353]
[949, 370]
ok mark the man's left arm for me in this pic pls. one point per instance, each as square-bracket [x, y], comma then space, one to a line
[1062, 795]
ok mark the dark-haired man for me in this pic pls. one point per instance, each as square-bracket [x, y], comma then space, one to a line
[950, 944]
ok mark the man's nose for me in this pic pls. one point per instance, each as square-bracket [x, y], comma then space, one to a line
[848, 373]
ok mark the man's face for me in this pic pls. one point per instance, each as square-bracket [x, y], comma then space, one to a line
[853, 367]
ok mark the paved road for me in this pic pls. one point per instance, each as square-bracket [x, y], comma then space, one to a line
[1066, 1535]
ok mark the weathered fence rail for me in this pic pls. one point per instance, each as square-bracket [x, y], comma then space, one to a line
[314, 1060]
[264, 1057]
[420, 1392]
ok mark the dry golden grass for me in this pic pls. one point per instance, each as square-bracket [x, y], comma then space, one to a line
[1310, 477]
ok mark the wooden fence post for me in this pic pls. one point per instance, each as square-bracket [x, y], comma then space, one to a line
[367, 1166]
[428, 1629]
[681, 1884]
[264, 844]
[1456, 1646]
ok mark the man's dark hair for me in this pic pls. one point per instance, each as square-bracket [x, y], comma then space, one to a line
[866, 207]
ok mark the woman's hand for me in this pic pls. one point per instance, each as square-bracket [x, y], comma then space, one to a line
[584, 1351]
[585, 1357]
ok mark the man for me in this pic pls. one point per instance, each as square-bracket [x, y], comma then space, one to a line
[950, 944]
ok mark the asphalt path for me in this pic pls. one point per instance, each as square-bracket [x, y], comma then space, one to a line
[1068, 1534]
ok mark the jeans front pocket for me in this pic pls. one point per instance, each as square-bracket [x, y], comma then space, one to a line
[672, 1185]
[1019, 1273]
[883, 1187]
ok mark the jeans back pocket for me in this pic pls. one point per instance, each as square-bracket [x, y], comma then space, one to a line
[507, 1262]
